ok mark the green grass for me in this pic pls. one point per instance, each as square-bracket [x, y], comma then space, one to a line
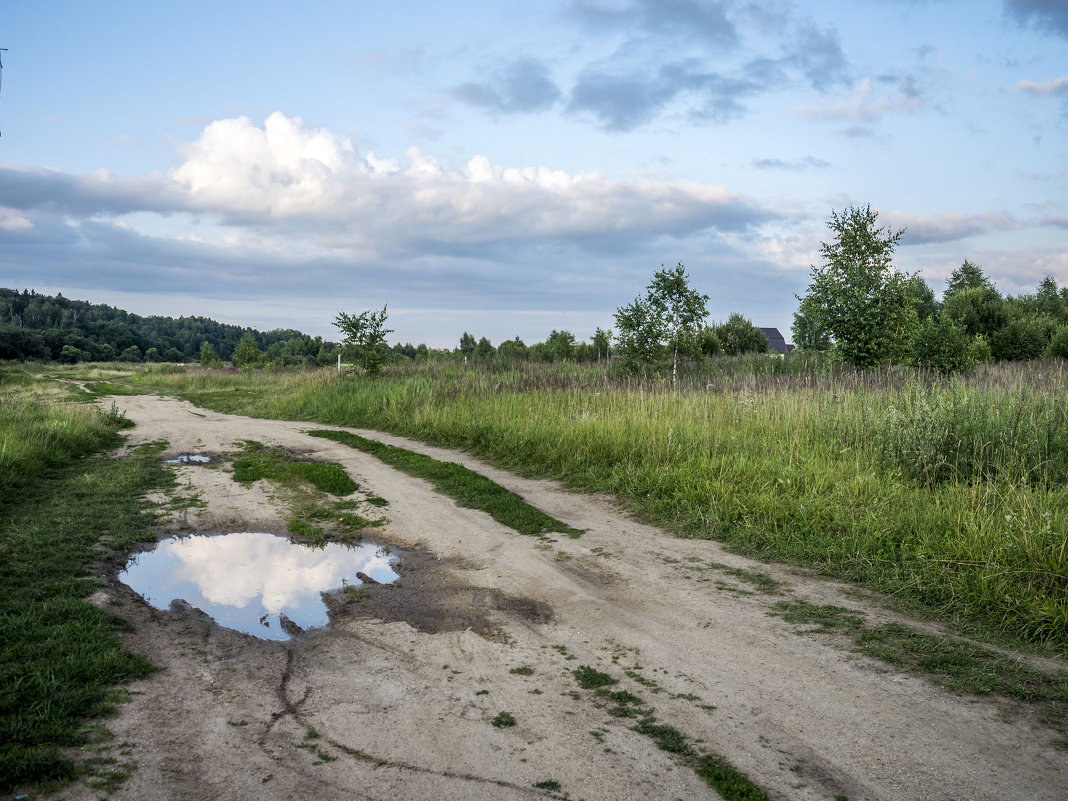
[256, 461]
[945, 495]
[589, 678]
[959, 665]
[60, 657]
[503, 720]
[466, 487]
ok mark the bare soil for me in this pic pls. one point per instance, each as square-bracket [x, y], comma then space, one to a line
[402, 688]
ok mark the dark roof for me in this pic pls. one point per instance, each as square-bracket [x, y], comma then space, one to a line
[776, 341]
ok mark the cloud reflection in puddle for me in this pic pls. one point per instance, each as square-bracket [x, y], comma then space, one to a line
[244, 581]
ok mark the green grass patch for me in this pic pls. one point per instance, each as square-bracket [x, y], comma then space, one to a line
[256, 461]
[60, 657]
[589, 678]
[956, 664]
[503, 720]
[466, 487]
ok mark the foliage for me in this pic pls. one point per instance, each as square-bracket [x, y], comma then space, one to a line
[968, 276]
[34, 326]
[738, 335]
[247, 353]
[467, 344]
[1022, 339]
[667, 321]
[560, 346]
[979, 311]
[601, 341]
[208, 357]
[512, 349]
[809, 328]
[1058, 346]
[708, 341]
[484, 349]
[365, 338]
[857, 297]
[942, 345]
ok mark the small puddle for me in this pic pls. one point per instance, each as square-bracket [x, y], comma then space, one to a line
[247, 581]
[189, 458]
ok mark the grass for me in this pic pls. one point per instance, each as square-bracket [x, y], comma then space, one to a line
[503, 720]
[957, 664]
[467, 488]
[60, 656]
[256, 461]
[946, 494]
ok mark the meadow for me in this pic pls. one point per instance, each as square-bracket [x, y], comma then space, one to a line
[947, 494]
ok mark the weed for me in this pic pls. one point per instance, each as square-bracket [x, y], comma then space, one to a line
[551, 785]
[589, 678]
[503, 720]
[524, 670]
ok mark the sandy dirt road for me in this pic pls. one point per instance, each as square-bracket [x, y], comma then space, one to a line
[402, 689]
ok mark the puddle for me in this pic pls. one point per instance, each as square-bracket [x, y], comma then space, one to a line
[247, 581]
[189, 458]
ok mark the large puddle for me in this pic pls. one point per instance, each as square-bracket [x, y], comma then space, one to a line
[247, 581]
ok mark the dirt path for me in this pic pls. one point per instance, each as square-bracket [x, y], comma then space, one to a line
[402, 690]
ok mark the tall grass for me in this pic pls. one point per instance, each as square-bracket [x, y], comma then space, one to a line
[38, 432]
[948, 493]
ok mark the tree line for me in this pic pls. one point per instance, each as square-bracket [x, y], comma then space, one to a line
[35, 326]
[867, 313]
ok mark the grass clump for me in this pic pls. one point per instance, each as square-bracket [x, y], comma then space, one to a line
[468, 488]
[503, 720]
[589, 678]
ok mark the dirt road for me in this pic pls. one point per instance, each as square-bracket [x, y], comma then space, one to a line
[402, 690]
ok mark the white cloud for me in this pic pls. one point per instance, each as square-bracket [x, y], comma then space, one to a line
[865, 104]
[1057, 86]
[11, 220]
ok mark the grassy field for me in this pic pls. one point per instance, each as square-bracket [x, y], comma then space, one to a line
[948, 494]
[60, 515]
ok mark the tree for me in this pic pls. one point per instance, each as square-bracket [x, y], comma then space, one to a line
[467, 344]
[738, 335]
[708, 341]
[978, 310]
[365, 338]
[809, 330]
[600, 342]
[857, 297]
[560, 345]
[247, 353]
[967, 276]
[942, 345]
[208, 357]
[667, 321]
[513, 349]
[484, 348]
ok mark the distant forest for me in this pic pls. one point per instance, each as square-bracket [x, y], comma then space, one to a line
[34, 326]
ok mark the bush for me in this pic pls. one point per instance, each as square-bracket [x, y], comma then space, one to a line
[1058, 346]
[941, 345]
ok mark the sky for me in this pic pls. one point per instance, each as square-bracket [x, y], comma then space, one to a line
[510, 168]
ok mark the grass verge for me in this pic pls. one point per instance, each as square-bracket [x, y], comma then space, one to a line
[60, 657]
[466, 487]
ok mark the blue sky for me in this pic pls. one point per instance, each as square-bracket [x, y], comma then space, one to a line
[511, 168]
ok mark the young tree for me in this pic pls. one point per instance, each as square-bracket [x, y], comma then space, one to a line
[208, 357]
[514, 349]
[857, 297]
[365, 338]
[600, 342]
[484, 349]
[560, 345]
[738, 335]
[667, 321]
[467, 344]
[247, 352]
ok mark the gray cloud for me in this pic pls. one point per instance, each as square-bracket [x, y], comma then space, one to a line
[950, 226]
[807, 163]
[817, 55]
[1057, 86]
[690, 19]
[521, 85]
[1047, 16]
[622, 102]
